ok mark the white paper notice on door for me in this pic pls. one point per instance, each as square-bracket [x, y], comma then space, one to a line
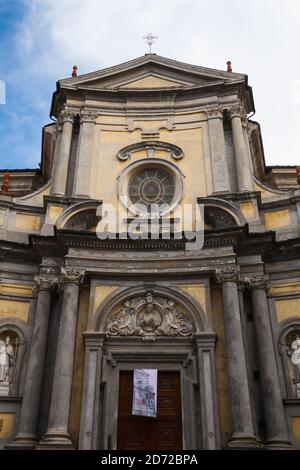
[144, 401]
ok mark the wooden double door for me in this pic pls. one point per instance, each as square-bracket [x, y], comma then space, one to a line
[143, 433]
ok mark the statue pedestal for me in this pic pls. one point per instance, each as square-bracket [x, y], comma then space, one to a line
[4, 389]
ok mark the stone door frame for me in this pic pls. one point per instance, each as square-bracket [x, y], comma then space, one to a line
[192, 357]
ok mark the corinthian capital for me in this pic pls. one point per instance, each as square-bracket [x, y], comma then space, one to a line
[88, 115]
[45, 283]
[71, 275]
[256, 281]
[237, 110]
[66, 116]
[227, 274]
[214, 113]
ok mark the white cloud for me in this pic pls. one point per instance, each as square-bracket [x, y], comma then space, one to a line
[261, 39]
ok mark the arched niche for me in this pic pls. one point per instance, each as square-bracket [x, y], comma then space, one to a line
[13, 346]
[289, 346]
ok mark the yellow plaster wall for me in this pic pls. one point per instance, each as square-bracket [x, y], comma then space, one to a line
[188, 117]
[27, 222]
[6, 424]
[111, 119]
[198, 292]
[248, 209]
[53, 212]
[296, 427]
[284, 289]
[74, 421]
[14, 308]
[265, 193]
[277, 219]
[106, 166]
[151, 82]
[14, 289]
[287, 308]
[221, 367]
[101, 292]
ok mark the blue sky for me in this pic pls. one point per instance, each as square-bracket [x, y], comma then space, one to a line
[40, 40]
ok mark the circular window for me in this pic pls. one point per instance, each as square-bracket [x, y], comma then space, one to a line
[152, 187]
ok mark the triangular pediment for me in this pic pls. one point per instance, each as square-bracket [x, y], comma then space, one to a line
[151, 72]
[153, 81]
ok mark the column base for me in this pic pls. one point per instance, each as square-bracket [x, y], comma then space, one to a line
[23, 442]
[279, 444]
[55, 440]
[244, 441]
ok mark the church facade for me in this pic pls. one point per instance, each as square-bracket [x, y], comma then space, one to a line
[85, 300]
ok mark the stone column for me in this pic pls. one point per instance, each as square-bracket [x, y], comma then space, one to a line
[243, 430]
[276, 428]
[89, 420]
[57, 432]
[85, 153]
[62, 154]
[218, 151]
[243, 164]
[27, 432]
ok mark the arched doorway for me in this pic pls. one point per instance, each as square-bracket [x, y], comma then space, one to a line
[159, 329]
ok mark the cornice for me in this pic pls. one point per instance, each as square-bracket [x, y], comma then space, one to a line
[280, 203]
[18, 253]
[157, 60]
[22, 207]
[239, 239]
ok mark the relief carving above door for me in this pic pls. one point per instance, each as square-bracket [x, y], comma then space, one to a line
[149, 317]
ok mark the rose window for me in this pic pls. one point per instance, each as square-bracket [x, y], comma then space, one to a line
[152, 187]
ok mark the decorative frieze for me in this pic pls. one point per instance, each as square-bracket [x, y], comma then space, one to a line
[149, 317]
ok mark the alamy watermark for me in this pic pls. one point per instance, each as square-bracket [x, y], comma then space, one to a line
[186, 223]
[2, 92]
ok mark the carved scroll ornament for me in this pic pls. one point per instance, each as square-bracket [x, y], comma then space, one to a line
[149, 317]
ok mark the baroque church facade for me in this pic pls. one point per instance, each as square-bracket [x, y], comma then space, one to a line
[80, 312]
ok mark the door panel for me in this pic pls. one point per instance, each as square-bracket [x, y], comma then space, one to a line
[143, 433]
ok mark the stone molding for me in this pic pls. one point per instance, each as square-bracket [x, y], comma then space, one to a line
[149, 147]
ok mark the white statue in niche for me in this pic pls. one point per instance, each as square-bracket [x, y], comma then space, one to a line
[295, 358]
[7, 362]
